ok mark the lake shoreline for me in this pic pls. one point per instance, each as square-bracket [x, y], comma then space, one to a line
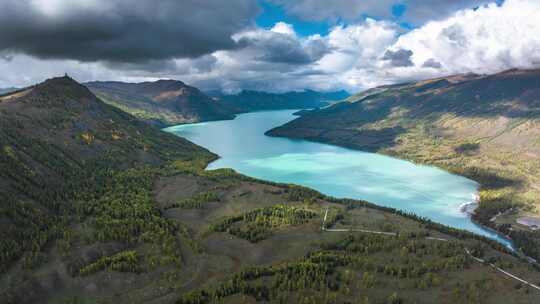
[473, 220]
[476, 200]
[355, 148]
[503, 240]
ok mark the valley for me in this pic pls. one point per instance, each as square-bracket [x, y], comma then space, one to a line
[251, 101]
[338, 172]
[161, 103]
[269, 151]
[166, 103]
[136, 218]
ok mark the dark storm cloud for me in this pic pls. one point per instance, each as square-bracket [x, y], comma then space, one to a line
[417, 11]
[150, 66]
[283, 48]
[205, 63]
[432, 63]
[122, 30]
[201, 64]
[399, 58]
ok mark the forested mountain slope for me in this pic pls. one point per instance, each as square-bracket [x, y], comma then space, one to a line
[99, 207]
[486, 127]
[163, 102]
[57, 138]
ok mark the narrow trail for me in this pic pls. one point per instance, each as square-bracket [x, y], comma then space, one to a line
[361, 230]
[479, 260]
[508, 274]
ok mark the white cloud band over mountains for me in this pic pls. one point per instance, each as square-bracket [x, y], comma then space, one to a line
[357, 55]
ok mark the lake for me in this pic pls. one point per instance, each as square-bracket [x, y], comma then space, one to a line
[335, 171]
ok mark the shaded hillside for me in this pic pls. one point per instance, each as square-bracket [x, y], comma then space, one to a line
[248, 101]
[163, 103]
[484, 127]
[56, 139]
[58, 127]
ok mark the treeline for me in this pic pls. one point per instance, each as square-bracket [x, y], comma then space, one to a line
[125, 261]
[258, 224]
[126, 209]
[197, 201]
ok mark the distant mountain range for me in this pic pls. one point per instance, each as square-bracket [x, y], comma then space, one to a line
[7, 90]
[248, 101]
[163, 102]
[486, 127]
[170, 102]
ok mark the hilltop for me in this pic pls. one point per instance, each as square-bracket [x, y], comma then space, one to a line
[100, 207]
[486, 127]
[162, 103]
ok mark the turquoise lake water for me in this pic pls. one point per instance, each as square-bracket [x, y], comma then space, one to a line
[339, 172]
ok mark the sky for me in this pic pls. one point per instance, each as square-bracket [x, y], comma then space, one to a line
[267, 45]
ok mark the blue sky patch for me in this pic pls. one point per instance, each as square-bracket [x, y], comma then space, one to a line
[398, 10]
[271, 14]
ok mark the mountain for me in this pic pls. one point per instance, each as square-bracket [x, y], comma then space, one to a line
[7, 90]
[54, 129]
[61, 150]
[162, 103]
[248, 101]
[486, 127]
[56, 139]
[97, 206]
[170, 102]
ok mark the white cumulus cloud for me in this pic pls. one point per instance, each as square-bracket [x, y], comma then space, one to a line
[486, 40]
